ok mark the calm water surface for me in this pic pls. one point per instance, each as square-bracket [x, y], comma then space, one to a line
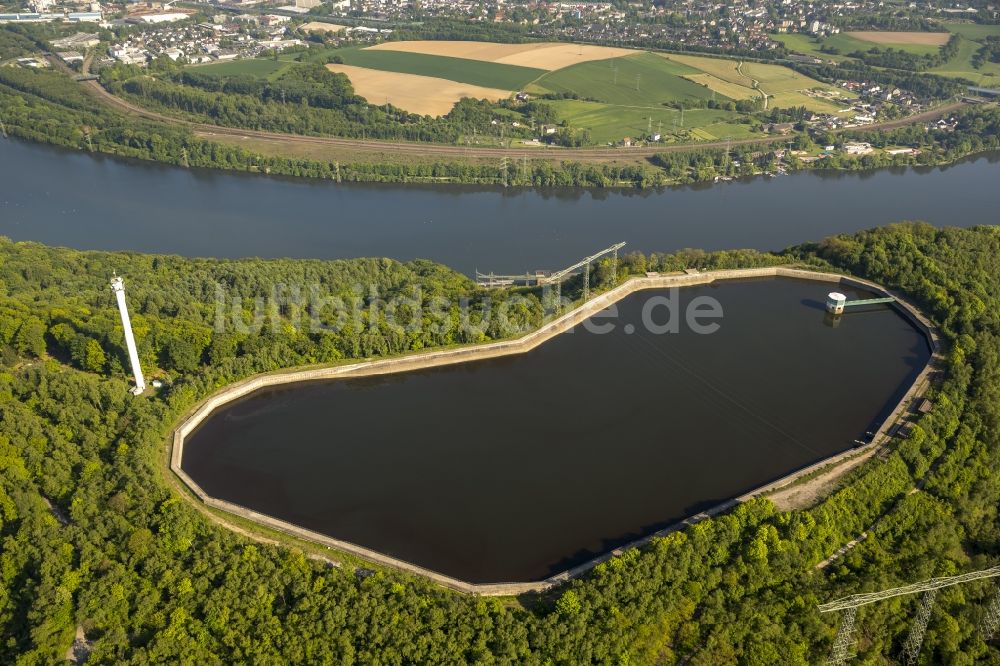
[515, 468]
[92, 202]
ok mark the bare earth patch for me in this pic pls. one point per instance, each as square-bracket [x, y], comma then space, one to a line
[809, 492]
[922, 38]
[546, 55]
[425, 95]
[319, 26]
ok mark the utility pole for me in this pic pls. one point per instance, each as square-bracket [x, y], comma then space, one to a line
[586, 284]
[503, 168]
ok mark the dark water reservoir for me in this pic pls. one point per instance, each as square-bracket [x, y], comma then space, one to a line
[513, 469]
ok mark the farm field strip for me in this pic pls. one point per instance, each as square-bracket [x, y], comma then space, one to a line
[642, 79]
[549, 56]
[461, 70]
[730, 90]
[889, 38]
[424, 95]
[609, 123]
[973, 31]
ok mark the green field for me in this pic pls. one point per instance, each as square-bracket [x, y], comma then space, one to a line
[475, 72]
[845, 44]
[643, 79]
[973, 31]
[260, 67]
[610, 123]
[961, 65]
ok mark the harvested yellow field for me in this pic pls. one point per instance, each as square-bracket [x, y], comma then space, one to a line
[883, 37]
[545, 55]
[425, 95]
[730, 90]
[319, 26]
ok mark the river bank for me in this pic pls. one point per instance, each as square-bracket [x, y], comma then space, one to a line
[50, 107]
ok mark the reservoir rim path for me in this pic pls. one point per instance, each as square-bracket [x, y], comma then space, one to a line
[520, 345]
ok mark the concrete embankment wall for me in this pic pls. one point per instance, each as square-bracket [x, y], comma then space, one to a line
[519, 346]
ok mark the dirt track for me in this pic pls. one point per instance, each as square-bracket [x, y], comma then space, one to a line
[607, 154]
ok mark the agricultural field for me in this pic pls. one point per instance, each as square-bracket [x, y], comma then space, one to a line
[265, 68]
[973, 31]
[725, 88]
[894, 39]
[549, 56]
[624, 93]
[608, 123]
[424, 95]
[961, 65]
[462, 70]
[846, 43]
[785, 87]
[642, 79]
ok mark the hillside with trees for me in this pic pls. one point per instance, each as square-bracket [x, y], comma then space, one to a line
[94, 535]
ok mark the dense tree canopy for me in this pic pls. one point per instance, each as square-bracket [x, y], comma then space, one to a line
[92, 534]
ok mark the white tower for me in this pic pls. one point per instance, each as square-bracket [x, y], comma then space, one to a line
[118, 287]
[835, 303]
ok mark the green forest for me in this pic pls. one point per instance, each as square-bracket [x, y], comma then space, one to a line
[94, 534]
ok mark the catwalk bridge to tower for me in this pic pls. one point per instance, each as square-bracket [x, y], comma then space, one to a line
[836, 302]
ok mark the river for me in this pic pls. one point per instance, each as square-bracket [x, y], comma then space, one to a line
[84, 201]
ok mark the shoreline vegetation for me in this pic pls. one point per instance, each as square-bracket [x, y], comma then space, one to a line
[49, 107]
[146, 578]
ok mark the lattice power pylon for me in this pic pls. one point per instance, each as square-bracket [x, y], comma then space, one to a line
[915, 639]
[843, 642]
[991, 621]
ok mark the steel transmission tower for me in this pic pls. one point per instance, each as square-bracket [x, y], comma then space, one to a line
[915, 639]
[842, 643]
[991, 622]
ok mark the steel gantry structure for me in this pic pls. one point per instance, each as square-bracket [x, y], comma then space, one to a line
[914, 640]
[494, 280]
